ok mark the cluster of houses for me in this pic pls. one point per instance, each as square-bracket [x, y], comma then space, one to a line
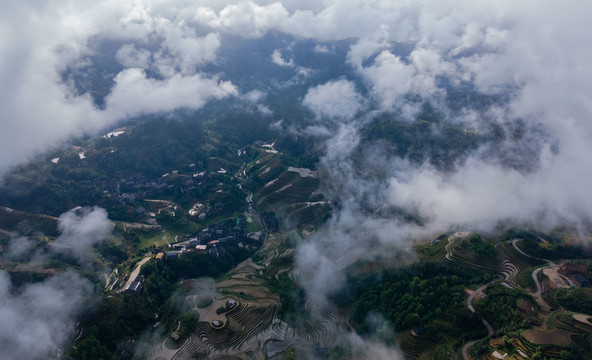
[160, 256]
[125, 188]
[213, 239]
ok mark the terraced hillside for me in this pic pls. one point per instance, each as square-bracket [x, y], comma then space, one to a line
[292, 192]
[569, 330]
[416, 346]
[500, 263]
[11, 219]
[524, 264]
[251, 327]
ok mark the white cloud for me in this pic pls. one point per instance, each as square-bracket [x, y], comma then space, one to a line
[249, 19]
[254, 96]
[129, 56]
[537, 49]
[480, 195]
[392, 78]
[321, 49]
[276, 58]
[38, 318]
[368, 46]
[336, 99]
[40, 110]
[135, 94]
[80, 230]
[264, 110]
[183, 50]
[317, 131]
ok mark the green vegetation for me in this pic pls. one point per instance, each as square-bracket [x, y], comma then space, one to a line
[413, 296]
[553, 250]
[432, 252]
[578, 300]
[155, 238]
[292, 297]
[480, 348]
[481, 247]
[508, 309]
[524, 264]
[188, 323]
[428, 297]
[132, 161]
[178, 160]
[276, 189]
[252, 225]
[204, 301]
[524, 278]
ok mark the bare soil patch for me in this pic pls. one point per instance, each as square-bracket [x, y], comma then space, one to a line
[583, 318]
[557, 280]
[555, 337]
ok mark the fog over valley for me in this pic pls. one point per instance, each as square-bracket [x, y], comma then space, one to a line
[295, 179]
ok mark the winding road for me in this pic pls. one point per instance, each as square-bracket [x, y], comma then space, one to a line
[551, 263]
[490, 331]
[465, 349]
[536, 295]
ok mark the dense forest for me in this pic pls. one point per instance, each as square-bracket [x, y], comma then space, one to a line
[415, 296]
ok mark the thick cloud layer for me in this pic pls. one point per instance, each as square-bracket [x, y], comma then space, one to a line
[134, 94]
[336, 99]
[535, 54]
[37, 319]
[538, 47]
[39, 41]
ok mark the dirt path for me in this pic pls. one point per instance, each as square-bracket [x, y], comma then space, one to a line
[135, 273]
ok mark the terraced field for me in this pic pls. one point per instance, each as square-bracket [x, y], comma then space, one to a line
[500, 264]
[254, 329]
[251, 327]
[529, 348]
[564, 327]
[416, 346]
[293, 192]
[10, 218]
[524, 264]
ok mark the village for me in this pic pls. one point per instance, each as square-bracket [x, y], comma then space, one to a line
[213, 240]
